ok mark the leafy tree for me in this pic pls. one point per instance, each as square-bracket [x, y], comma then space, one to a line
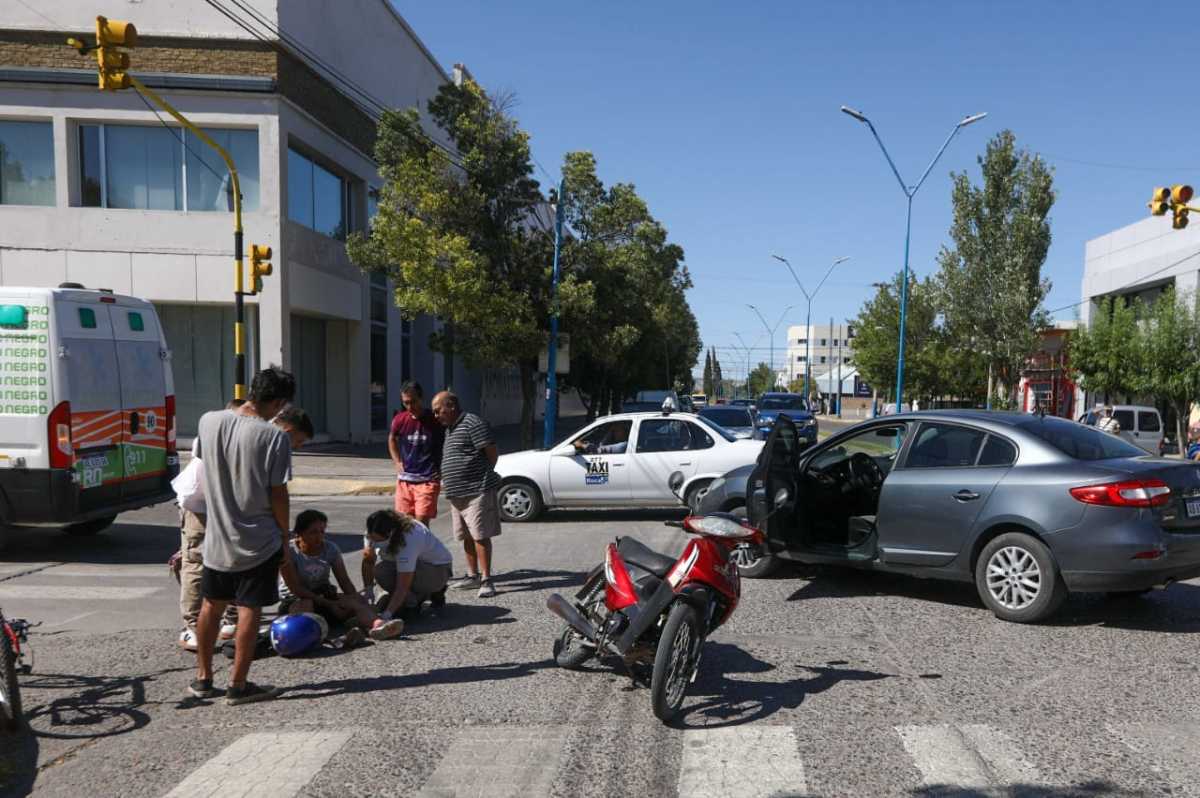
[991, 279]
[762, 379]
[708, 373]
[460, 243]
[1106, 354]
[1169, 346]
[637, 330]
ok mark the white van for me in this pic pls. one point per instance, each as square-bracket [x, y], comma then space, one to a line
[87, 408]
[1140, 425]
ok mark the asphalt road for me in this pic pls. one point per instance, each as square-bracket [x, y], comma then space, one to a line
[825, 683]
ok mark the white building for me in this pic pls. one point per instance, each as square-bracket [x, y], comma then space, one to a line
[828, 345]
[96, 190]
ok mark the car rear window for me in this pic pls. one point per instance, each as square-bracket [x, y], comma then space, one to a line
[1148, 422]
[945, 446]
[1078, 441]
[782, 403]
[997, 452]
[727, 418]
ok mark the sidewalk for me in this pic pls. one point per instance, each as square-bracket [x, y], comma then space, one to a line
[342, 469]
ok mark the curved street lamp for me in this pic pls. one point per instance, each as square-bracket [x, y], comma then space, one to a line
[808, 315]
[771, 332]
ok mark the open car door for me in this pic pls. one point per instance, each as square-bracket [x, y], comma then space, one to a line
[778, 469]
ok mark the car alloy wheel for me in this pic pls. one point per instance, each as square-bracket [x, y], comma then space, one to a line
[1014, 578]
[516, 501]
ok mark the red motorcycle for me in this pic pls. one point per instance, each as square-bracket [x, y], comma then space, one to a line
[654, 610]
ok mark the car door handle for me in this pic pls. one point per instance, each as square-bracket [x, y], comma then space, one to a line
[618, 465]
[685, 464]
[966, 495]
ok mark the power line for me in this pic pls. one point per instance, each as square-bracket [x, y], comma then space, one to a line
[1131, 283]
[1124, 167]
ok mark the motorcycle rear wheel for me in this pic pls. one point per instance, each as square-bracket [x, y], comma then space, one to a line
[570, 651]
[675, 660]
[10, 695]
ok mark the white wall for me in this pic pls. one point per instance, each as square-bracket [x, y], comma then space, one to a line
[157, 17]
[1140, 254]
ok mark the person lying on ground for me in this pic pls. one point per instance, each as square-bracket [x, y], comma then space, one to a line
[309, 590]
[407, 560]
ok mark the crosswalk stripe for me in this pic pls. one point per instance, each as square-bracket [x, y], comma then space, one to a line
[972, 756]
[499, 762]
[1171, 744]
[17, 590]
[263, 763]
[740, 762]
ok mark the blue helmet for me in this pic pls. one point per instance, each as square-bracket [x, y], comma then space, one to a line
[292, 635]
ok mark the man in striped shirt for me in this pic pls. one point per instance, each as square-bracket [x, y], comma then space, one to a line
[469, 483]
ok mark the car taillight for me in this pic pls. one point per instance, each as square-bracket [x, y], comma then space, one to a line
[1130, 493]
[62, 452]
[620, 592]
[170, 425]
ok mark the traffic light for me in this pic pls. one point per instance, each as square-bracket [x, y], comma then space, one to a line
[111, 34]
[1181, 195]
[260, 266]
[1160, 201]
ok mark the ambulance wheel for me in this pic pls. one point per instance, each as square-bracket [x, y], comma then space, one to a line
[93, 527]
[519, 501]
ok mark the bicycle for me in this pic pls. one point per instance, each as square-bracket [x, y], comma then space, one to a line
[13, 633]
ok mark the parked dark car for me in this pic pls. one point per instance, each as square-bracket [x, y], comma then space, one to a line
[771, 406]
[1029, 508]
[727, 494]
[735, 419]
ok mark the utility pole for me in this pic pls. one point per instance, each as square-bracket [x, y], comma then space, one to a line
[551, 414]
[808, 314]
[771, 331]
[841, 340]
[112, 65]
[747, 350]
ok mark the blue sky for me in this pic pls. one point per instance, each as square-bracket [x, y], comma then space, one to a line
[725, 116]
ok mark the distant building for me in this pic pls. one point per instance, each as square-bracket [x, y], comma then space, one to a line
[829, 346]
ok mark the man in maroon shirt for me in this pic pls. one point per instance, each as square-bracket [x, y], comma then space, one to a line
[415, 443]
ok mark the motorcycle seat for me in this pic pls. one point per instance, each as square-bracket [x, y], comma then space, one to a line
[633, 552]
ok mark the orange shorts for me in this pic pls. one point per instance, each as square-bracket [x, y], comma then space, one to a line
[418, 499]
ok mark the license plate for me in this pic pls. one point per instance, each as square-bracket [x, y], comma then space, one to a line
[1193, 508]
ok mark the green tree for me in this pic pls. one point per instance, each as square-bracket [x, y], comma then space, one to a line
[460, 243]
[762, 379]
[718, 378]
[708, 373]
[991, 278]
[1106, 355]
[1169, 348]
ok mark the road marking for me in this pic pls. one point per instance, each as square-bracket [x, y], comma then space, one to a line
[263, 763]
[1173, 745]
[717, 762]
[968, 757]
[16, 590]
[499, 762]
[110, 572]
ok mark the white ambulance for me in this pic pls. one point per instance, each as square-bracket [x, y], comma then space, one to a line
[87, 408]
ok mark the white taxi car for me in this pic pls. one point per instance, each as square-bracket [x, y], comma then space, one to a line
[622, 460]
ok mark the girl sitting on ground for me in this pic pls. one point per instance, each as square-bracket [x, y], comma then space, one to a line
[407, 560]
[313, 559]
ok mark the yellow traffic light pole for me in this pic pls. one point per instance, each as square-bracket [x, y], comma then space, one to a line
[112, 77]
[1174, 199]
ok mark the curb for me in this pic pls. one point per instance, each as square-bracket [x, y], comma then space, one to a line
[315, 486]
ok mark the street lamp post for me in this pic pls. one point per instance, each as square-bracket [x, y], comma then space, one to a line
[808, 315]
[771, 332]
[909, 192]
[747, 349]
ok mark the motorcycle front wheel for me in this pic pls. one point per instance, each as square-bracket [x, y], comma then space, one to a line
[10, 696]
[675, 660]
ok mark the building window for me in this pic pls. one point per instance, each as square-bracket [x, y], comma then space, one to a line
[800, 359]
[822, 358]
[26, 163]
[153, 168]
[835, 342]
[317, 198]
[801, 341]
[823, 342]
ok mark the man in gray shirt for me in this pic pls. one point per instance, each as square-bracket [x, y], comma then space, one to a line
[247, 464]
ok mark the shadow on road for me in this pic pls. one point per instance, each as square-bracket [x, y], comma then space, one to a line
[94, 706]
[601, 516]
[437, 676]
[725, 701]
[18, 763]
[124, 544]
[526, 579]
[1029, 791]
[458, 616]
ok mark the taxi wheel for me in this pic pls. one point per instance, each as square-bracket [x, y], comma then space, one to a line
[519, 501]
[696, 495]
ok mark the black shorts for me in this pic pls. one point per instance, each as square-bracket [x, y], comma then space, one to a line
[254, 587]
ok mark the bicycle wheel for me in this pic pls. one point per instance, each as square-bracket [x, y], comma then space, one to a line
[10, 694]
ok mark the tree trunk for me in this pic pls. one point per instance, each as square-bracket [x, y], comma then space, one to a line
[1182, 411]
[589, 405]
[528, 401]
[991, 388]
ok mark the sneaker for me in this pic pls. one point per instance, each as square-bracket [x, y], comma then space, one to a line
[438, 600]
[468, 582]
[187, 640]
[353, 637]
[228, 631]
[250, 692]
[485, 589]
[387, 630]
[203, 688]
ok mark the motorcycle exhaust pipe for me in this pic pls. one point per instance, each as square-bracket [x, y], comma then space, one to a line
[567, 611]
